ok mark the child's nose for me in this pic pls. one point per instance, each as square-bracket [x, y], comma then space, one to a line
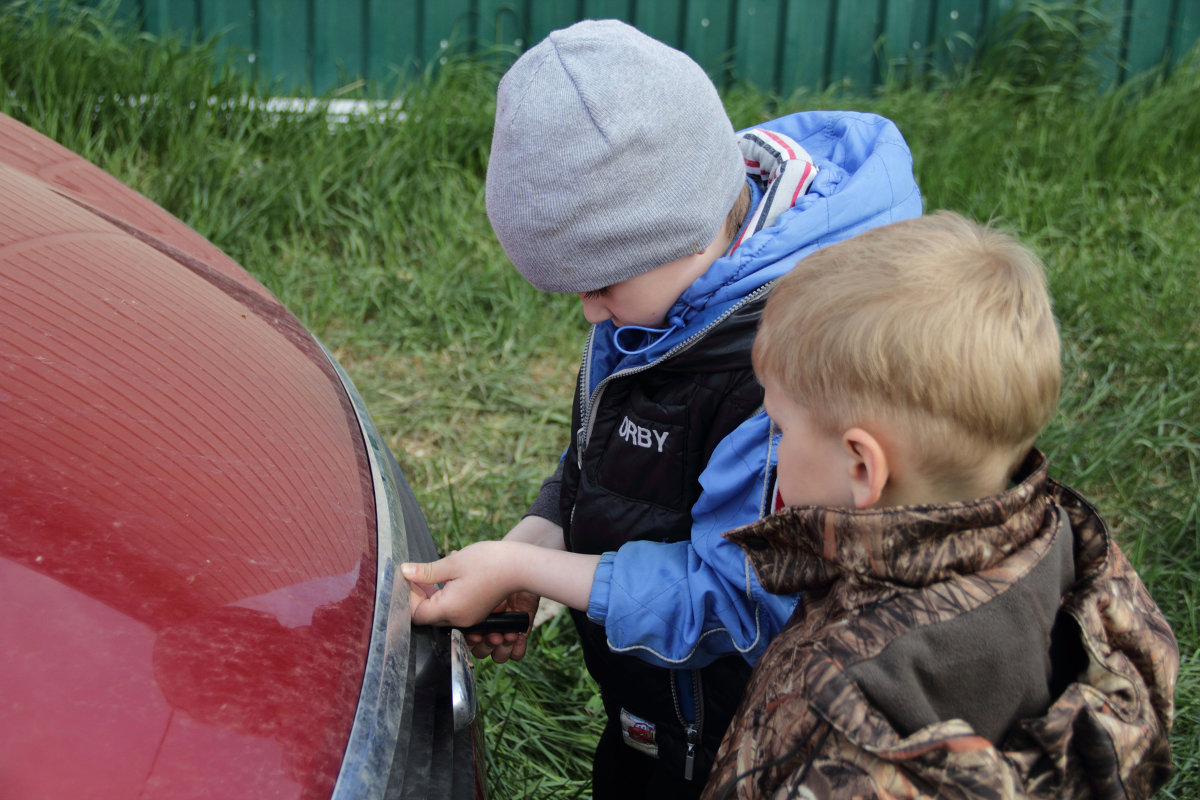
[595, 310]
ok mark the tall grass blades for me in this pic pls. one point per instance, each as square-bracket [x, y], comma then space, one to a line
[110, 93]
[1038, 46]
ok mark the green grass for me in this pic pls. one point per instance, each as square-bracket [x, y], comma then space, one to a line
[375, 235]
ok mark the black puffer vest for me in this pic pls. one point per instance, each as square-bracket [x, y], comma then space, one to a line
[632, 473]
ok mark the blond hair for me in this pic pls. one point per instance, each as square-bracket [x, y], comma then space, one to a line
[937, 325]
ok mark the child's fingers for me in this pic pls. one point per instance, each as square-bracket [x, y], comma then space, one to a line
[430, 611]
[425, 573]
[518, 647]
[421, 591]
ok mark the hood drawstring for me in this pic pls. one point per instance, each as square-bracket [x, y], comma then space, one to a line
[650, 336]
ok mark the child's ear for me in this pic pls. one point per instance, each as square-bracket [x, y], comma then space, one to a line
[868, 467]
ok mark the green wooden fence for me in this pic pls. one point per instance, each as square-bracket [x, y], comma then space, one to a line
[323, 45]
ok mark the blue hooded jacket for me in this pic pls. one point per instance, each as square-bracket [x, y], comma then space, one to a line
[684, 604]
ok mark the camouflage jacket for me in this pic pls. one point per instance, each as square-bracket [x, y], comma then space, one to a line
[991, 649]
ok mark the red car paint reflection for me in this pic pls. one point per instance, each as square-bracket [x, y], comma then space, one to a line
[186, 516]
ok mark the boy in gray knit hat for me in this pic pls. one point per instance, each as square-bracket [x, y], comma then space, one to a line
[612, 155]
[616, 174]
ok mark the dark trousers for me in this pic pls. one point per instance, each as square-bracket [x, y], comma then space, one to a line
[621, 773]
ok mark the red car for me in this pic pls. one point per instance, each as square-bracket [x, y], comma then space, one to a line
[199, 527]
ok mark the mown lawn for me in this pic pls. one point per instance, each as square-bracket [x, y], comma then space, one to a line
[374, 233]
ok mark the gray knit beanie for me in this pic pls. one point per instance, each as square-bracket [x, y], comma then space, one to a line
[612, 154]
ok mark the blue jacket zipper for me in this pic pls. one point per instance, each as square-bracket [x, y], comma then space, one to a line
[692, 728]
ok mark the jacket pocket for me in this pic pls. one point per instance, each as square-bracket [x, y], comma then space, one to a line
[644, 456]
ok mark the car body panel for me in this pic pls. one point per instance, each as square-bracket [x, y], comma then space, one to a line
[187, 527]
[73, 177]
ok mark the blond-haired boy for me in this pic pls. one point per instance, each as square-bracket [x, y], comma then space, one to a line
[968, 628]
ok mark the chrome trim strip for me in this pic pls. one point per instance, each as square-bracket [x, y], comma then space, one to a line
[463, 701]
[371, 748]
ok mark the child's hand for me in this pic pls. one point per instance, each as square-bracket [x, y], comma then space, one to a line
[503, 646]
[501, 576]
[476, 581]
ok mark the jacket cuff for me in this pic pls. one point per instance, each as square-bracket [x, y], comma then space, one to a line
[597, 609]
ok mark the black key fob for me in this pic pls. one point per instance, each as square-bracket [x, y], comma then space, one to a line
[504, 622]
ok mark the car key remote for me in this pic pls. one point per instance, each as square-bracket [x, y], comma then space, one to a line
[503, 622]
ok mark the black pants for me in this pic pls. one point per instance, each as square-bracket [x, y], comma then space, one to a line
[621, 773]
